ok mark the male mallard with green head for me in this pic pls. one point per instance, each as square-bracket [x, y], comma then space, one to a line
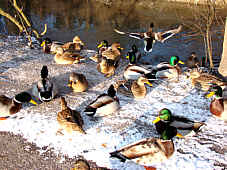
[62, 57]
[45, 89]
[50, 46]
[78, 82]
[166, 120]
[218, 106]
[103, 46]
[172, 69]
[104, 104]
[10, 106]
[69, 119]
[133, 55]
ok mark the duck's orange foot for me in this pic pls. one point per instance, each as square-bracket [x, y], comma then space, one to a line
[149, 168]
[3, 118]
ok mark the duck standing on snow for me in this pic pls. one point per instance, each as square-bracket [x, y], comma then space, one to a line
[78, 82]
[150, 36]
[104, 104]
[172, 69]
[137, 88]
[10, 106]
[50, 46]
[146, 151]
[218, 106]
[76, 46]
[133, 55]
[45, 90]
[69, 119]
[192, 61]
[107, 66]
[101, 47]
[166, 120]
[62, 57]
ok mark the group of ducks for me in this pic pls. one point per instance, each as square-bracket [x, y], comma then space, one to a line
[135, 76]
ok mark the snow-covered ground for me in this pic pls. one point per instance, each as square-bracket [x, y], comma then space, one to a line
[20, 68]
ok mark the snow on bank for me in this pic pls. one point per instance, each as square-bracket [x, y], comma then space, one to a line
[20, 68]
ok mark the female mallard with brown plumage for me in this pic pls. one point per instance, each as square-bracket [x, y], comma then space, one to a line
[10, 106]
[134, 88]
[75, 46]
[218, 106]
[70, 120]
[78, 82]
[113, 53]
[107, 67]
[166, 120]
[67, 57]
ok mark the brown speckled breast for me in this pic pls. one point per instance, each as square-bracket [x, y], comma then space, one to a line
[217, 107]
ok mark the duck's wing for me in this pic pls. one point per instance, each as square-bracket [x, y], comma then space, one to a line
[133, 35]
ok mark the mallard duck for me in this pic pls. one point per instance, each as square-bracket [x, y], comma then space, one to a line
[101, 47]
[50, 46]
[45, 90]
[218, 106]
[192, 61]
[146, 151]
[114, 52]
[166, 120]
[76, 46]
[203, 80]
[69, 119]
[107, 67]
[172, 71]
[10, 106]
[104, 104]
[67, 57]
[78, 82]
[133, 55]
[137, 87]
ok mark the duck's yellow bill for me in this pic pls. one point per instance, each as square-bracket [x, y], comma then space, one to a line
[121, 48]
[43, 43]
[100, 45]
[210, 94]
[179, 135]
[181, 62]
[156, 120]
[69, 84]
[33, 102]
[149, 84]
[127, 57]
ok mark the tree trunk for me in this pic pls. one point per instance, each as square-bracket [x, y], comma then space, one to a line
[223, 65]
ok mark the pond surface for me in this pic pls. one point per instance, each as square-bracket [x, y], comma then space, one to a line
[94, 21]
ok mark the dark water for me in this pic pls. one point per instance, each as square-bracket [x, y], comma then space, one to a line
[94, 21]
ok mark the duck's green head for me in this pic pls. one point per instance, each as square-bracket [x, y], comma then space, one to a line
[24, 97]
[170, 132]
[164, 114]
[174, 60]
[104, 43]
[217, 91]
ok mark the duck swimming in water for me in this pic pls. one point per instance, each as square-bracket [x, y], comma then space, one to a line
[45, 89]
[218, 106]
[10, 106]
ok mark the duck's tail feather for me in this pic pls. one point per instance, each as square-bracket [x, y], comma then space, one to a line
[118, 155]
[44, 72]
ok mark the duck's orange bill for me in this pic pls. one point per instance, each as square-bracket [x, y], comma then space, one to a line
[149, 168]
[3, 118]
[156, 120]
[179, 135]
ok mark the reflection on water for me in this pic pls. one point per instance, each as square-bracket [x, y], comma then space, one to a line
[94, 21]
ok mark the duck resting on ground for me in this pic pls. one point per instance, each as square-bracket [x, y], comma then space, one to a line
[146, 151]
[192, 61]
[10, 106]
[45, 89]
[103, 46]
[135, 88]
[50, 46]
[107, 66]
[70, 120]
[75, 46]
[218, 106]
[78, 82]
[133, 55]
[104, 104]
[166, 120]
[67, 57]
